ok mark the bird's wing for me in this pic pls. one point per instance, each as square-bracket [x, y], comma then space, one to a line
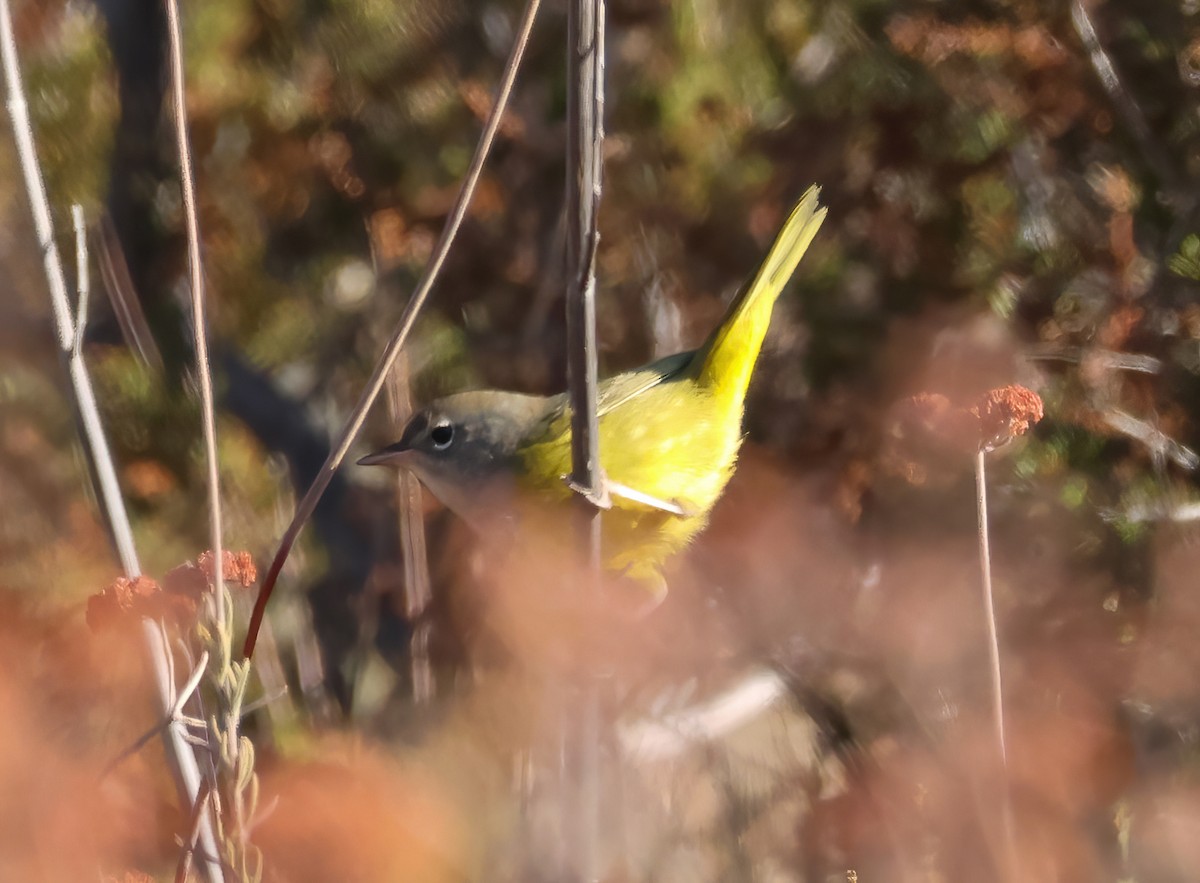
[613, 392]
[617, 390]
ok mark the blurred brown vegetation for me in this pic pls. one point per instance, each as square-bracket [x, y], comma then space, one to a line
[999, 213]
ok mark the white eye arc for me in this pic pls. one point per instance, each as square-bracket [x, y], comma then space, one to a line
[442, 436]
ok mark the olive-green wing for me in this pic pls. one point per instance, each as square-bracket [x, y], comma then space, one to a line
[617, 390]
[613, 392]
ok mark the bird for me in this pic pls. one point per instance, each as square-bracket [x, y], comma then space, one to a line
[669, 435]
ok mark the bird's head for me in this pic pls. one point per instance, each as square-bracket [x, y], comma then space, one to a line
[463, 447]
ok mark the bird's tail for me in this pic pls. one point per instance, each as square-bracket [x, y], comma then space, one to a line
[728, 356]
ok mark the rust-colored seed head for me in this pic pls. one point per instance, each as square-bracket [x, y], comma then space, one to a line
[1006, 413]
[126, 594]
[237, 567]
[127, 600]
[177, 598]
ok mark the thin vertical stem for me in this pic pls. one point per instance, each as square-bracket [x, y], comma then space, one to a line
[985, 566]
[997, 686]
[208, 417]
[585, 140]
[585, 135]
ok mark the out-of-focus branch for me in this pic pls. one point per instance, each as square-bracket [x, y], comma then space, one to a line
[123, 296]
[404, 327]
[670, 735]
[1106, 71]
[175, 736]
[1161, 446]
[1109, 360]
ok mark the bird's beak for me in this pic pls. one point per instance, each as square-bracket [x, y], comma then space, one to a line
[393, 455]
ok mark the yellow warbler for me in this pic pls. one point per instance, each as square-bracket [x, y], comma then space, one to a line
[669, 433]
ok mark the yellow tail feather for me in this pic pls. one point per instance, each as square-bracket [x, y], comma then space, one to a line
[727, 359]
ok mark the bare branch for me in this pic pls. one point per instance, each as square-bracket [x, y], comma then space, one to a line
[106, 477]
[585, 135]
[585, 159]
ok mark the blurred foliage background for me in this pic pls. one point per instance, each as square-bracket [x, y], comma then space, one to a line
[1013, 197]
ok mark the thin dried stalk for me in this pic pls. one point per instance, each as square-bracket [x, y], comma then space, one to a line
[997, 683]
[233, 756]
[585, 160]
[585, 138]
[208, 417]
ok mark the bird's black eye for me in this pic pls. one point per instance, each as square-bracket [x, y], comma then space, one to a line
[441, 435]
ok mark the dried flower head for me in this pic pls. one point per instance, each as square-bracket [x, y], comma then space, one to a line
[1006, 413]
[194, 578]
[177, 598]
[127, 600]
[236, 567]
